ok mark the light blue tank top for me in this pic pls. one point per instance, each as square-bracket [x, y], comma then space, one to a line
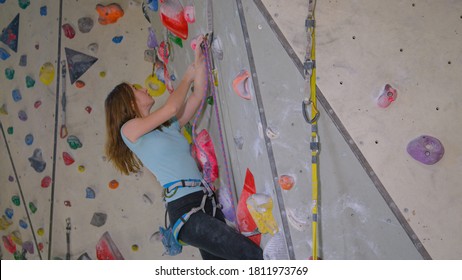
[167, 155]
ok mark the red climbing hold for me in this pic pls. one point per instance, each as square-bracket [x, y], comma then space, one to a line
[247, 225]
[106, 249]
[387, 96]
[9, 244]
[173, 18]
[88, 109]
[68, 160]
[69, 31]
[46, 181]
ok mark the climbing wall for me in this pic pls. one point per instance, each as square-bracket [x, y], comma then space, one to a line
[61, 198]
[414, 47]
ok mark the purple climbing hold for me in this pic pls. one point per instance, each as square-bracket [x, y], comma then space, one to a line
[426, 149]
[23, 60]
[28, 246]
[10, 178]
[152, 40]
[22, 115]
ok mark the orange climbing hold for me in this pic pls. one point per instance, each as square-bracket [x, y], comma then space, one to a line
[286, 182]
[113, 184]
[79, 84]
[109, 14]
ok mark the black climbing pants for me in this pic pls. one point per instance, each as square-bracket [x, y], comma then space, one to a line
[211, 235]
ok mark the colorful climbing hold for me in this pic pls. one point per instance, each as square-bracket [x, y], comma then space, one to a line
[16, 237]
[426, 149]
[286, 182]
[4, 55]
[81, 168]
[9, 244]
[37, 104]
[154, 85]
[23, 3]
[247, 225]
[28, 246]
[152, 40]
[16, 95]
[135, 248]
[172, 17]
[88, 109]
[78, 63]
[40, 246]
[67, 203]
[106, 249]
[387, 96]
[68, 159]
[113, 184]
[117, 39]
[11, 178]
[46, 181]
[102, 74]
[40, 232]
[79, 84]
[22, 115]
[9, 73]
[29, 139]
[3, 110]
[153, 5]
[43, 11]
[241, 84]
[15, 199]
[189, 12]
[85, 24]
[36, 161]
[10, 130]
[74, 142]
[10, 36]
[32, 207]
[90, 193]
[175, 39]
[206, 156]
[23, 60]
[9, 213]
[47, 73]
[30, 82]
[210, 100]
[109, 14]
[68, 30]
[5, 223]
[23, 224]
[260, 207]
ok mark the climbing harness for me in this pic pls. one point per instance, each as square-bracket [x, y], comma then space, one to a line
[63, 131]
[310, 84]
[170, 233]
[68, 238]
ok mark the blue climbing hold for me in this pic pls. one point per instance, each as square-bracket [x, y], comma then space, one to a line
[173, 77]
[153, 5]
[43, 11]
[9, 213]
[16, 95]
[117, 39]
[4, 55]
[22, 224]
[90, 193]
[29, 139]
[2, 1]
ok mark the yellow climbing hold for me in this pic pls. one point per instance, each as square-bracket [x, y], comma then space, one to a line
[154, 85]
[260, 207]
[40, 231]
[47, 73]
[102, 74]
[81, 168]
[135, 247]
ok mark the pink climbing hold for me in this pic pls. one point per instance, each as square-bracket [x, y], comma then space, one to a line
[88, 109]
[37, 104]
[69, 31]
[68, 160]
[426, 149]
[205, 154]
[46, 181]
[387, 96]
[189, 12]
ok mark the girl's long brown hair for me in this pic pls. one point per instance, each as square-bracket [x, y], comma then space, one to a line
[120, 107]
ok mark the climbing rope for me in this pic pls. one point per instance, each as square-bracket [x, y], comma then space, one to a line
[211, 86]
[310, 84]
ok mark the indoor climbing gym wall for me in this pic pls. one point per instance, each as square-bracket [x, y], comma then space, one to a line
[388, 129]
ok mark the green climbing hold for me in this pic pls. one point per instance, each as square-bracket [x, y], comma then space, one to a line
[74, 142]
[175, 39]
[9, 73]
[210, 100]
[16, 201]
[10, 130]
[32, 207]
[29, 82]
[23, 3]
[18, 255]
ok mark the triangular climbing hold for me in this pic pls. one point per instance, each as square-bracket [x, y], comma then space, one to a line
[78, 63]
[10, 34]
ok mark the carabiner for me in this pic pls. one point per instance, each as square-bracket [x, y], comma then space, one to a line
[306, 115]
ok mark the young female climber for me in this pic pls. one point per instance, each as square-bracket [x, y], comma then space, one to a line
[136, 136]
